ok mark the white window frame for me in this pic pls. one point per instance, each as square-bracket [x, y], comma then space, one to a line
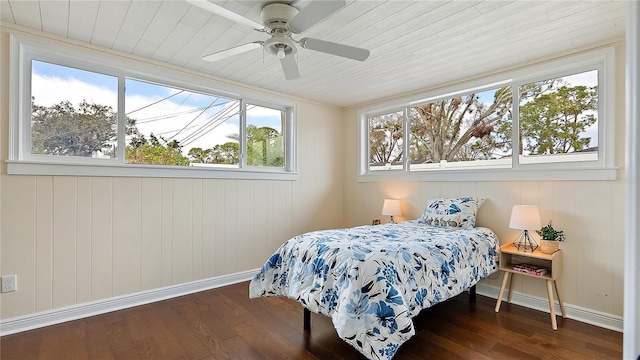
[604, 168]
[24, 49]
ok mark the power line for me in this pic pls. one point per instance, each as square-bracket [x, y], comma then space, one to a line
[194, 119]
[153, 103]
[217, 120]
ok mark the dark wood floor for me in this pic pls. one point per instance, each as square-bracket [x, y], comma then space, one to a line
[225, 324]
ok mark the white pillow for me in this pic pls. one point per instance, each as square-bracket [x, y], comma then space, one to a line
[465, 207]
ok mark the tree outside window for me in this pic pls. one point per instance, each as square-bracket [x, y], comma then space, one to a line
[557, 118]
[386, 134]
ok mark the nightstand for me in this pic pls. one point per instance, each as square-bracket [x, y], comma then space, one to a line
[509, 256]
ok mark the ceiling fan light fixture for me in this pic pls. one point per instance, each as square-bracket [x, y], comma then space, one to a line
[280, 45]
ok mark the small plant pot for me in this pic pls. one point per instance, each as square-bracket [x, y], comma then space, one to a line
[549, 246]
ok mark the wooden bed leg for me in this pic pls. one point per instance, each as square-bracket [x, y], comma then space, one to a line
[472, 293]
[307, 319]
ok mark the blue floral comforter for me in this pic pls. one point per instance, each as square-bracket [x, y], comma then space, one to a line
[372, 280]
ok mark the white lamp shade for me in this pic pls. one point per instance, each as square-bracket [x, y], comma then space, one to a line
[391, 207]
[525, 217]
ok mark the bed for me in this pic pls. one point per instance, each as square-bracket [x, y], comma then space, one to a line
[372, 280]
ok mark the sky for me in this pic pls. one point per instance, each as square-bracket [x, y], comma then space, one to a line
[194, 119]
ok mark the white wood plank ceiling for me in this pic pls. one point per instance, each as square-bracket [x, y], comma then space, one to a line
[414, 44]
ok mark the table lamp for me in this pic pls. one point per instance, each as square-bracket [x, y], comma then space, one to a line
[525, 218]
[391, 207]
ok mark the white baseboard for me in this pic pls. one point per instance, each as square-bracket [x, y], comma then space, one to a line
[589, 316]
[56, 316]
[74, 312]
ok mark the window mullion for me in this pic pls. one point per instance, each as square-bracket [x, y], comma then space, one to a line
[242, 132]
[406, 139]
[515, 127]
[122, 121]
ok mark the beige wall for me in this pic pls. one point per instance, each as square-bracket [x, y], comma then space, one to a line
[72, 239]
[590, 212]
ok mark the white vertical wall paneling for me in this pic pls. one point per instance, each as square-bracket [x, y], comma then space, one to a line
[564, 214]
[64, 241]
[594, 201]
[450, 189]
[151, 233]
[280, 214]
[18, 246]
[44, 242]
[182, 208]
[260, 237]
[209, 233]
[166, 223]
[196, 228]
[126, 235]
[219, 221]
[271, 217]
[83, 240]
[618, 203]
[230, 225]
[101, 238]
[632, 238]
[246, 224]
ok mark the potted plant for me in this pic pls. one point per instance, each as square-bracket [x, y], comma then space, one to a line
[550, 238]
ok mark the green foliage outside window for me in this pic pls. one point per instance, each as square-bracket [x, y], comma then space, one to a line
[90, 130]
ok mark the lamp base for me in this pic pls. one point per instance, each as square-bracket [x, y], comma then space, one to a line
[392, 220]
[525, 242]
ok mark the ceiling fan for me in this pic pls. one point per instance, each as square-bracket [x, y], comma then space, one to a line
[281, 21]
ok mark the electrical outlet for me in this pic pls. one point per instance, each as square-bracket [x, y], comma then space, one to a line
[9, 283]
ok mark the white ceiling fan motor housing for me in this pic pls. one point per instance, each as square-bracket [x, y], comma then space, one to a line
[275, 18]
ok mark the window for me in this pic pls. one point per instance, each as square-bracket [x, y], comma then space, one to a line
[264, 139]
[559, 119]
[80, 122]
[550, 116]
[115, 117]
[386, 150]
[471, 130]
[172, 126]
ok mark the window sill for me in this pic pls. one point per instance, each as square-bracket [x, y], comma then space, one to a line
[70, 169]
[585, 174]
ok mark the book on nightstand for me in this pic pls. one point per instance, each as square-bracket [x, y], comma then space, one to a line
[531, 269]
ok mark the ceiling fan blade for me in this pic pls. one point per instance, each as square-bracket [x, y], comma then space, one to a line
[219, 10]
[232, 51]
[328, 47]
[290, 67]
[316, 11]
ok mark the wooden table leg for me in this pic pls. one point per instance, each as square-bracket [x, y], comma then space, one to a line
[505, 278]
[510, 289]
[564, 313]
[552, 308]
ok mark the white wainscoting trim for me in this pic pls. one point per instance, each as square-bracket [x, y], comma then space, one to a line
[589, 316]
[56, 316]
